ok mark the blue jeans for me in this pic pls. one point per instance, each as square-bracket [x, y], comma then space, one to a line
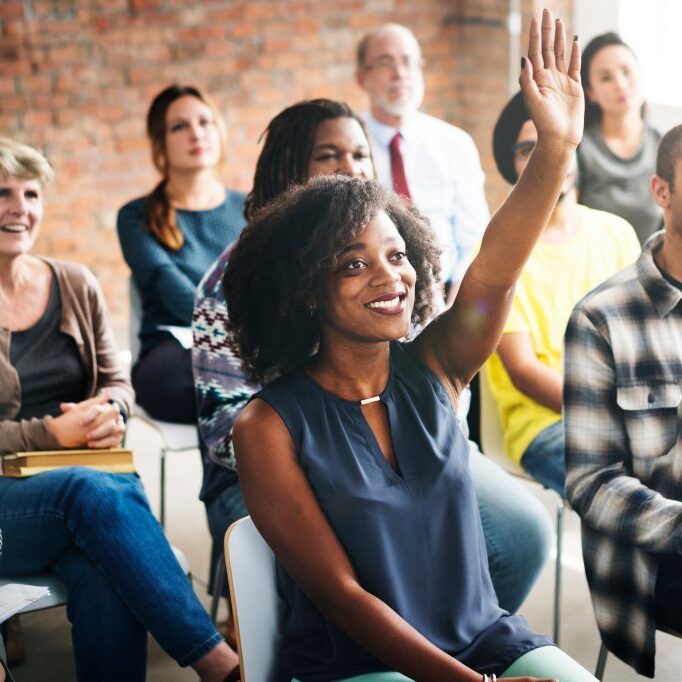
[517, 529]
[97, 532]
[545, 458]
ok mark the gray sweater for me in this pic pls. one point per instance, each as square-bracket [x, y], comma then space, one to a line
[621, 186]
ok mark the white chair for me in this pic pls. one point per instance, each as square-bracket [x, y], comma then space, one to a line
[174, 437]
[58, 592]
[492, 444]
[256, 605]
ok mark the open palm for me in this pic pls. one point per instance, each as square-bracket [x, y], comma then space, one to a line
[551, 89]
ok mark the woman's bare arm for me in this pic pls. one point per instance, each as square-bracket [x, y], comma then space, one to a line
[285, 511]
[457, 343]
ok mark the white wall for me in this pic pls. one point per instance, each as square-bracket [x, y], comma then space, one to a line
[592, 17]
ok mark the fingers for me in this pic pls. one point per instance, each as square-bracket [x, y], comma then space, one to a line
[574, 64]
[560, 45]
[547, 32]
[66, 407]
[98, 414]
[528, 85]
[534, 52]
[107, 435]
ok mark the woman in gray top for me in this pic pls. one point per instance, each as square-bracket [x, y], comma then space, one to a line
[617, 154]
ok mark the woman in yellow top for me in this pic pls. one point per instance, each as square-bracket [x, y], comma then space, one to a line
[579, 248]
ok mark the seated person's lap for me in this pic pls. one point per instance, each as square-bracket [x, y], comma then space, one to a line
[545, 458]
[164, 384]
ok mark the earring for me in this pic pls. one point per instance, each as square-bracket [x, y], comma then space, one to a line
[312, 309]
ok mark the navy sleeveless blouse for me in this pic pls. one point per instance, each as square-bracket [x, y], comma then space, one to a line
[414, 538]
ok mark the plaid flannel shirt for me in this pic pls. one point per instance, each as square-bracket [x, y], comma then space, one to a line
[623, 419]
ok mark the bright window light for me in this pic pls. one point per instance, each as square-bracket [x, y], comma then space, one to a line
[652, 29]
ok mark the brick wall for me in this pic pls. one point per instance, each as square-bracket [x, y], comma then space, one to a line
[77, 76]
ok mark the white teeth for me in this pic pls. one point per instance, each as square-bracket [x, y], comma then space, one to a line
[391, 303]
[13, 228]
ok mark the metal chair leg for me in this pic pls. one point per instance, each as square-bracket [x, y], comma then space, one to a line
[219, 582]
[162, 485]
[557, 570]
[601, 662]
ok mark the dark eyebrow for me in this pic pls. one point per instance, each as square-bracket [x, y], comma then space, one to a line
[361, 246]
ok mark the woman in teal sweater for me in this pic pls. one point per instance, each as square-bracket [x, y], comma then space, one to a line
[169, 239]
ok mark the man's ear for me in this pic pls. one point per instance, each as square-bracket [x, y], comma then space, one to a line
[660, 189]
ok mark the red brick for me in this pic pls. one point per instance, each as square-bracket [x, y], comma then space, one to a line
[11, 10]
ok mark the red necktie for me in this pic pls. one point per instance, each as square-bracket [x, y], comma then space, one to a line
[398, 167]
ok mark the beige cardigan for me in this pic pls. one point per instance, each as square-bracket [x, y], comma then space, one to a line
[86, 320]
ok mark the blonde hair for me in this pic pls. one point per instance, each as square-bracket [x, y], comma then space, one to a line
[21, 161]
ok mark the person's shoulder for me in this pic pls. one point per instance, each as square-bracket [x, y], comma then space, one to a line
[652, 132]
[211, 284]
[438, 126]
[604, 223]
[613, 293]
[76, 277]
[74, 272]
[134, 206]
[132, 213]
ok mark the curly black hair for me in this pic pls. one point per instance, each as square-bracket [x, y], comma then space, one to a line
[284, 256]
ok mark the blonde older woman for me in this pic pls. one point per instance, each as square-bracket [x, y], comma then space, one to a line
[61, 387]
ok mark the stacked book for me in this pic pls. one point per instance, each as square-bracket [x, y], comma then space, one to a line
[21, 464]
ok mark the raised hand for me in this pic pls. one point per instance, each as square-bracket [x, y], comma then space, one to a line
[551, 90]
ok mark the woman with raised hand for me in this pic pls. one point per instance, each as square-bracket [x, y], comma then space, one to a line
[352, 463]
[305, 140]
[62, 386]
[617, 155]
[169, 239]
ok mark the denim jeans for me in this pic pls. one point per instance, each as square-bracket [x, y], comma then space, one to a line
[517, 529]
[97, 532]
[545, 458]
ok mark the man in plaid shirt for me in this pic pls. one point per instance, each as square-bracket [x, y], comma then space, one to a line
[623, 421]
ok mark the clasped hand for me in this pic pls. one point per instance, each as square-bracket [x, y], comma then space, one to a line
[92, 423]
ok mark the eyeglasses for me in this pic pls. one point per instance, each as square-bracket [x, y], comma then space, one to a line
[522, 150]
[387, 63]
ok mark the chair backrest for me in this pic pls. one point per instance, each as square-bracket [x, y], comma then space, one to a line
[492, 431]
[255, 603]
[135, 319]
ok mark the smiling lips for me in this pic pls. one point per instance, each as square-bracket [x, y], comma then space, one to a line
[388, 304]
[14, 228]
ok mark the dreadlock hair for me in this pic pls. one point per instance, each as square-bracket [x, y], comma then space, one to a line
[288, 147]
[161, 220]
[284, 256]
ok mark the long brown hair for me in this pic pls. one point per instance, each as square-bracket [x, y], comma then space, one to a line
[161, 218]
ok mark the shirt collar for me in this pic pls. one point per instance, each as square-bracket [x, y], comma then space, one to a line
[383, 134]
[664, 296]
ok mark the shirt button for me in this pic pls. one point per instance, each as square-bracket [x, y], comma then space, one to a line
[651, 398]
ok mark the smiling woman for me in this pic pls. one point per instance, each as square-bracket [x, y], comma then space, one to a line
[61, 386]
[352, 462]
[170, 238]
